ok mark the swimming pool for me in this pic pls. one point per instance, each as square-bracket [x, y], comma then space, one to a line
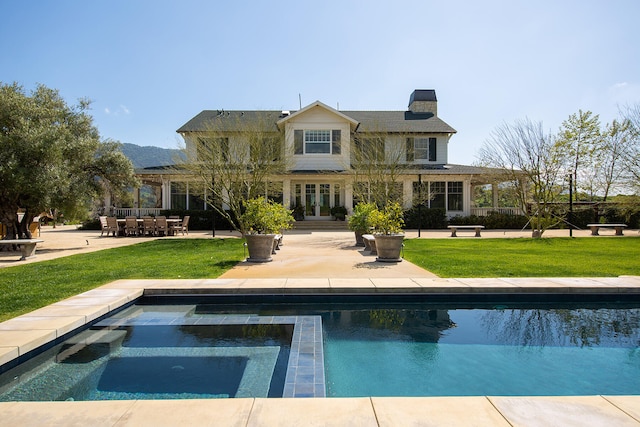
[375, 348]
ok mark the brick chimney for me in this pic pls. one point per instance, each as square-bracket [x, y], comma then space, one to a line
[423, 101]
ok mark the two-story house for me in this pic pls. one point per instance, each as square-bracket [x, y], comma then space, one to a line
[325, 170]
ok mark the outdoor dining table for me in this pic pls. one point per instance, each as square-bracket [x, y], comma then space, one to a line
[170, 222]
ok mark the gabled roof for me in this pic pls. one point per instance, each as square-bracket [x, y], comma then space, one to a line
[360, 121]
[399, 122]
[318, 104]
[233, 121]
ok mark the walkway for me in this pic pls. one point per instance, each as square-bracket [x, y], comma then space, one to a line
[332, 263]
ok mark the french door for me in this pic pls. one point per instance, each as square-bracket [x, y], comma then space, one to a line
[317, 199]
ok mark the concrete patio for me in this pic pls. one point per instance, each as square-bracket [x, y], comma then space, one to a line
[348, 271]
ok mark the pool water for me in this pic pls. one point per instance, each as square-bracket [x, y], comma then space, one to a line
[158, 353]
[466, 352]
[375, 349]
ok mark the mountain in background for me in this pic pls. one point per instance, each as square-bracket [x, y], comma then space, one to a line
[144, 157]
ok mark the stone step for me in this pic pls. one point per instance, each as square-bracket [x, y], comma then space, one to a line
[321, 225]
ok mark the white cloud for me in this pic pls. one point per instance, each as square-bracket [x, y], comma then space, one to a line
[121, 110]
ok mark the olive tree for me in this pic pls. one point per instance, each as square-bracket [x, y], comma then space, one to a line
[531, 161]
[52, 158]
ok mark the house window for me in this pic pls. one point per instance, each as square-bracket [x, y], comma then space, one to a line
[195, 196]
[317, 142]
[369, 151]
[424, 149]
[454, 196]
[437, 195]
[178, 195]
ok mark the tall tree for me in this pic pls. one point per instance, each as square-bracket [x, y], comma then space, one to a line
[608, 159]
[235, 159]
[376, 163]
[632, 154]
[579, 137]
[51, 157]
[531, 161]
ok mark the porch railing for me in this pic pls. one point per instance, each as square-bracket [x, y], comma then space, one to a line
[504, 211]
[138, 212]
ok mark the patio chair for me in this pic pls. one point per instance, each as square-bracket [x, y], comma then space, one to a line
[112, 226]
[184, 225]
[161, 225]
[131, 226]
[148, 226]
[103, 225]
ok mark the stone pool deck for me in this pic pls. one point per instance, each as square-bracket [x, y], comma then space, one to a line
[348, 272]
[22, 334]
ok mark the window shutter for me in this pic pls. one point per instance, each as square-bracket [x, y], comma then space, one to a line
[297, 141]
[336, 141]
[432, 150]
[410, 154]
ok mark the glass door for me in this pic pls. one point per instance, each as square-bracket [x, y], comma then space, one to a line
[317, 201]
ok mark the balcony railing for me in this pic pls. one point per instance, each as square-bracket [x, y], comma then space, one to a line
[137, 212]
[504, 211]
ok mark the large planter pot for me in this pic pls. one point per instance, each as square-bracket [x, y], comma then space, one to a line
[260, 247]
[359, 239]
[389, 247]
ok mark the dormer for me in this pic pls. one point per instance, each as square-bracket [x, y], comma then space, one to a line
[423, 101]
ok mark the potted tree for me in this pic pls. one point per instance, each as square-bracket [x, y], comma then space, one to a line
[261, 221]
[387, 229]
[339, 212]
[359, 221]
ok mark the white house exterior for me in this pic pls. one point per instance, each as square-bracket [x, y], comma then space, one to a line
[320, 173]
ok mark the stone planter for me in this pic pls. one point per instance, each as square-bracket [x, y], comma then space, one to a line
[359, 240]
[260, 247]
[389, 247]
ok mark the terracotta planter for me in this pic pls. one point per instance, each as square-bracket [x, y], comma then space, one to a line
[389, 247]
[260, 247]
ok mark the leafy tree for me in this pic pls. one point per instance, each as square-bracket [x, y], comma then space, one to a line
[608, 166]
[632, 152]
[376, 165]
[235, 158]
[51, 157]
[532, 162]
[579, 138]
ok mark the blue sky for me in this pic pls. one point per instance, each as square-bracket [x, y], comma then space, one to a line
[151, 65]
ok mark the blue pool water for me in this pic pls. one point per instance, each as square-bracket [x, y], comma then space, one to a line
[484, 352]
[219, 351]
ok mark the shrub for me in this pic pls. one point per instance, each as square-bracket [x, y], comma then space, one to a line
[359, 221]
[434, 218]
[388, 220]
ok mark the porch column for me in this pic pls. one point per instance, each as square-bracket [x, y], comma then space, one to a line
[466, 197]
[348, 196]
[286, 193]
[166, 194]
[407, 193]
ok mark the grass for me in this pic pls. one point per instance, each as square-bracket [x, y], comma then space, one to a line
[31, 286]
[550, 257]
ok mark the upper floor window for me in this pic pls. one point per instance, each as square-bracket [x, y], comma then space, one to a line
[320, 141]
[421, 149]
[317, 141]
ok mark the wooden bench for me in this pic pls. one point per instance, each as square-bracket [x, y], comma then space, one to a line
[277, 241]
[27, 246]
[595, 227]
[369, 243]
[455, 228]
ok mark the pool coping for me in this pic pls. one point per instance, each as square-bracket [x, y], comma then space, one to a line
[26, 333]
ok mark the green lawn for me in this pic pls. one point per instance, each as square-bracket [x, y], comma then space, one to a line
[559, 257]
[27, 287]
